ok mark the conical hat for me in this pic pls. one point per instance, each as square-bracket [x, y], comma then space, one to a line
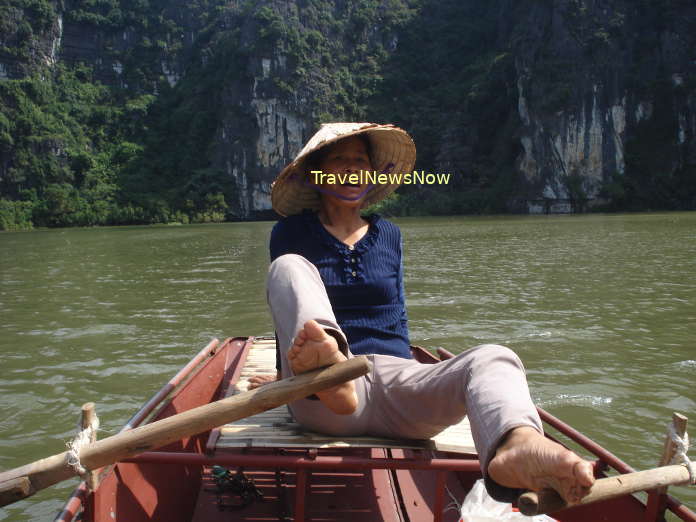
[392, 151]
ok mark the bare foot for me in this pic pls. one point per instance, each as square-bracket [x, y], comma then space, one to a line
[527, 459]
[314, 348]
[256, 381]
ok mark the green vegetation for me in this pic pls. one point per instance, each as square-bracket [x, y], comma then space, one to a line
[114, 140]
[22, 24]
[55, 174]
[76, 151]
[140, 151]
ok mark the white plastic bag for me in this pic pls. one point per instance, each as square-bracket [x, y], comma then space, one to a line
[479, 506]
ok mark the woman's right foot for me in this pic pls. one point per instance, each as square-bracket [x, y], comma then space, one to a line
[314, 348]
[527, 459]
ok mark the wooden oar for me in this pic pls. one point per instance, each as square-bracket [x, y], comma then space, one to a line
[548, 501]
[24, 481]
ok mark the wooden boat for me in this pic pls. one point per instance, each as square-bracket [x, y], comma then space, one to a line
[304, 476]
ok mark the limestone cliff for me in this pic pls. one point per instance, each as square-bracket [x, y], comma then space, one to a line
[582, 85]
[533, 105]
[559, 106]
[613, 65]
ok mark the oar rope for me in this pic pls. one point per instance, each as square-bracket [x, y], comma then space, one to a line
[82, 439]
[681, 446]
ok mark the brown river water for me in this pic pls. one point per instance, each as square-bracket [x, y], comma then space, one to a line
[601, 309]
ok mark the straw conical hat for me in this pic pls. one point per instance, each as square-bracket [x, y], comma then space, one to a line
[393, 151]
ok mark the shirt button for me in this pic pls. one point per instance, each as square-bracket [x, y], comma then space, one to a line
[352, 260]
[350, 247]
[354, 273]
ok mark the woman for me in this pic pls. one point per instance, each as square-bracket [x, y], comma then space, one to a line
[335, 289]
[312, 235]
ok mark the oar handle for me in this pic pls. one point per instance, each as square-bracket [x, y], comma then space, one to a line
[548, 501]
[15, 489]
[22, 482]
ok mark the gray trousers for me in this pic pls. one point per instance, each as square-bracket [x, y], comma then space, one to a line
[402, 398]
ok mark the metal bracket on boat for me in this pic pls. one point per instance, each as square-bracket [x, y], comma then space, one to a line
[237, 484]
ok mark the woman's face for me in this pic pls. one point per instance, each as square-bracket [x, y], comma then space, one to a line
[348, 156]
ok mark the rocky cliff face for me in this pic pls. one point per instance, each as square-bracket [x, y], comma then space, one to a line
[611, 64]
[30, 37]
[581, 89]
[296, 63]
[542, 106]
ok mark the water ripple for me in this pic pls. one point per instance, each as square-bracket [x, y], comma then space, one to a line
[597, 307]
[564, 399]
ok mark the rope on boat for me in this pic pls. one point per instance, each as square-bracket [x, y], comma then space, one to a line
[454, 504]
[681, 446]
[82, 439]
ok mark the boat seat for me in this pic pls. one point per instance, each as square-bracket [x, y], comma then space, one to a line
[276, 428]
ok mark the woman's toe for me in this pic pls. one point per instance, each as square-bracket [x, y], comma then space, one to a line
[313, 330]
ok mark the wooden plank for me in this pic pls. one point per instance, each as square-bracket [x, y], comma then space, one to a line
[279, 415]
[267, 418]
[282, 431]
[268, 421]
[275, 410]
[234, 428]
[269, 429]
[289, 443]
[317, 441]
[285, 431]
[271, 413]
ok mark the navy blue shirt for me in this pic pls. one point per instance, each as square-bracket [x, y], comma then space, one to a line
[364, 283]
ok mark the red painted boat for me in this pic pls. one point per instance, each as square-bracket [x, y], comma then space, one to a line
[376, 482]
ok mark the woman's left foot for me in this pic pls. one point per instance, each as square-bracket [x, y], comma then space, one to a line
[314, 348]
[256, 381]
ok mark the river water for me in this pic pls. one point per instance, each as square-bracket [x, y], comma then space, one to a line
[601, 309]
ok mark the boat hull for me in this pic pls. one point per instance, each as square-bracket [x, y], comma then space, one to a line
[356, 485]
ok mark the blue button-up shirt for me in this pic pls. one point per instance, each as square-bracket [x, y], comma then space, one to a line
[364, 282]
